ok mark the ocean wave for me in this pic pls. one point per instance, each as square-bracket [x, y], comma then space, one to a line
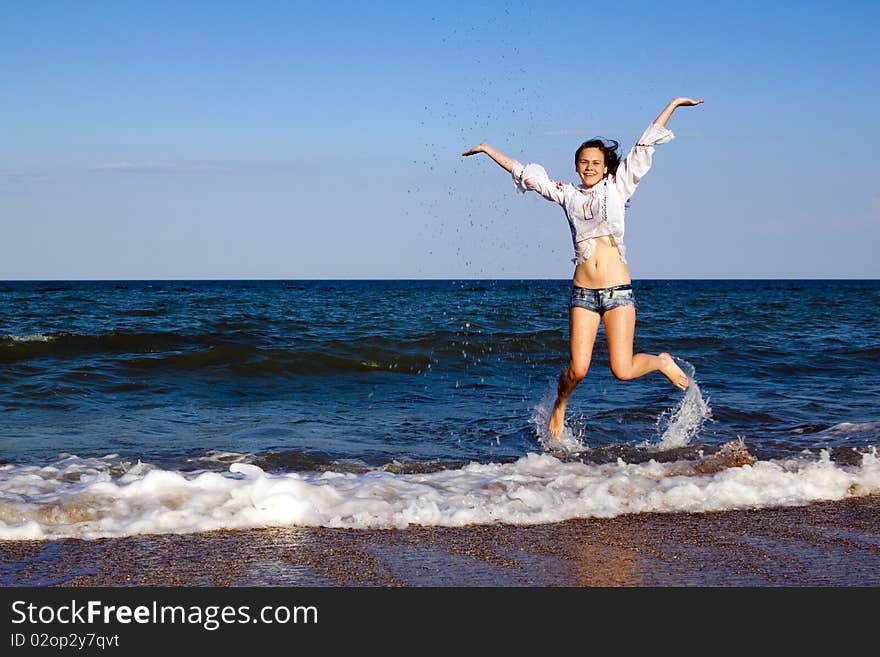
[172, 351]
[64, 345]
[255, 354]
[94, 498]
[859, 430]
[18, 339]
[247, 360]
[869, 353]
[299, 461]
[472, 341]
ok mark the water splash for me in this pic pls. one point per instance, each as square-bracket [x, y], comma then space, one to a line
[570, 442]
[679, 425]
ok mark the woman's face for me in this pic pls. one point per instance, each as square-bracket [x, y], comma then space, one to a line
[590, 166]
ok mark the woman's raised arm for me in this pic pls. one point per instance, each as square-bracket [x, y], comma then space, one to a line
[673, 104]
[503, 161]
[637, 162]
[531, 176]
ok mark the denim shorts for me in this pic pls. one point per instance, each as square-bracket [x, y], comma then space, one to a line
[603, 299]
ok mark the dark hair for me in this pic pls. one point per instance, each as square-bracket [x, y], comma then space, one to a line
[609, 149]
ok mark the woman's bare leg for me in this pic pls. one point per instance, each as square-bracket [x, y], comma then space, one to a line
[583, 325]
[620, 327]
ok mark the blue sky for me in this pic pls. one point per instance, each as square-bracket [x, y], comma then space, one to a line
[289, 140]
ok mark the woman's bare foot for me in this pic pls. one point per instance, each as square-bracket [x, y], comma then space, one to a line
[557, 420]
[673, 372]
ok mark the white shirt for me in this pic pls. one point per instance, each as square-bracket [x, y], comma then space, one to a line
[600, 210]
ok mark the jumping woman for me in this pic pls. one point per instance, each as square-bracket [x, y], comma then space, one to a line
[602, 287]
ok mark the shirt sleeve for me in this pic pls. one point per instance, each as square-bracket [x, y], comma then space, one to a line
[638, 160]
[534, 177]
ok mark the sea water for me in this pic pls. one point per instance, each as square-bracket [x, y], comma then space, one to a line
[132, 407]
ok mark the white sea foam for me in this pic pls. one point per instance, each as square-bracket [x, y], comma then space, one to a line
[91, 498]
[860, 430]
[30, 338]
[219, 456]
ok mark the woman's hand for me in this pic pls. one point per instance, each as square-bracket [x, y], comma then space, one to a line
[479, 148]
[673, 104]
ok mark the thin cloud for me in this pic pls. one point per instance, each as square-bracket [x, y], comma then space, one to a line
[155, 167]
[124, 168]
[24, 176]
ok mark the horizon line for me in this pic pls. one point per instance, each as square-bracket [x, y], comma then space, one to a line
[432, 278]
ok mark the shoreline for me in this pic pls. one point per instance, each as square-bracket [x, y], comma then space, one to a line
[821, 544]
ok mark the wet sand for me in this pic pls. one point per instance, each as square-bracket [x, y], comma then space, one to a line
[823, 544]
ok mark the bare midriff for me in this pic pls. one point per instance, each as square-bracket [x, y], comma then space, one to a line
[604, 268]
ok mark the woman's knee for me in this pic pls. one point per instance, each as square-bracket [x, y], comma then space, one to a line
[577, 371]
[621, 372]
